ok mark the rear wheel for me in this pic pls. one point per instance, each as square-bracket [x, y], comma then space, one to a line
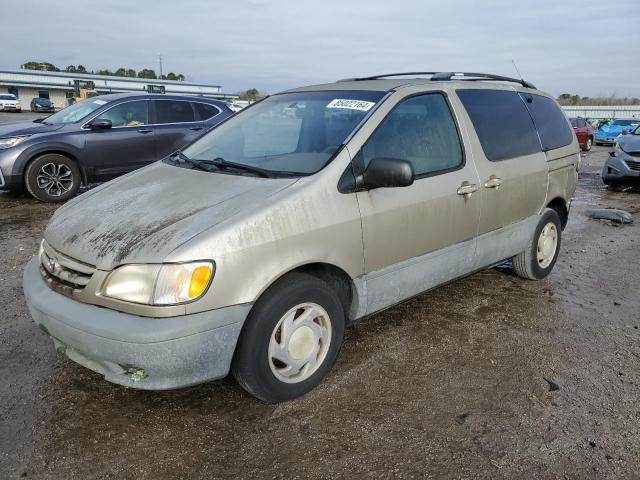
[538, 259]
[290, 340]
[588, 145]
[52, 178]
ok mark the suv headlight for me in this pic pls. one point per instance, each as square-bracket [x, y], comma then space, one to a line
[167, 284]
[11, 141]
[619, 150]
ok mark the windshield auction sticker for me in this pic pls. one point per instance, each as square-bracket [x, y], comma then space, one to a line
[361, 105]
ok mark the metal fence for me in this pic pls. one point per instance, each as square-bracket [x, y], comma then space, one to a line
[602, 112]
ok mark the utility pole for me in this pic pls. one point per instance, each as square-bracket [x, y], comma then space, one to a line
[160, 66]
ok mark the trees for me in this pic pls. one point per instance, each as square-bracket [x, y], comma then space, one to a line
[147, 73]
[120, 72]
[252, 95]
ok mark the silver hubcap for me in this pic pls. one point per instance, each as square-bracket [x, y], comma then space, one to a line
[547, 245]
[589, 143]
[55, 178]
[299, 343]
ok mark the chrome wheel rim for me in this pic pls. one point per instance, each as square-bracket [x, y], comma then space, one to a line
[589, 143]
[55, 178]
[547, 245]
[299, 343]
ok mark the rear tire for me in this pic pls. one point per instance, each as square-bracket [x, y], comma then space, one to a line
[587, 146]
[52, 178]
[290, 339]
[538, 259]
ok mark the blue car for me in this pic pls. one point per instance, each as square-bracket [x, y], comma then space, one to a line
[99, 139]
[607, 134]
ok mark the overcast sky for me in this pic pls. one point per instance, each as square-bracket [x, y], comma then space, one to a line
[578, 46]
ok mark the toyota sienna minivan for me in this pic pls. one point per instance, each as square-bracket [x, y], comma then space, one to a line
[250, 250]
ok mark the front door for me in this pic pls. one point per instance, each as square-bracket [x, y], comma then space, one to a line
[127, 145]
[419, 236]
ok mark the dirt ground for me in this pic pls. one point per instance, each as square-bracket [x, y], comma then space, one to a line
[489, 377]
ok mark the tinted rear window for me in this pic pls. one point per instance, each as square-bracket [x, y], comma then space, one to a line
[550, 121]
[502, 122]
[205, 110]
[173, 111]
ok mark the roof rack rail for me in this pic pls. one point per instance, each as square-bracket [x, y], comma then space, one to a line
[440, 76]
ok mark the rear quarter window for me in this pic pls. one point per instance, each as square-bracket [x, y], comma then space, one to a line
[205, 110]
[551, 123]
[501, 121]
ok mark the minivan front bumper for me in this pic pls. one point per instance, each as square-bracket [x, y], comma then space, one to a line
[138, 352]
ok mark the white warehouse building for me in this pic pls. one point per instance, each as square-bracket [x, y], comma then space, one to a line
[59, 86]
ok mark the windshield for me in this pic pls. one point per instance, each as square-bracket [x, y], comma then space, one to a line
[75, 112]
[625, 123]
[291, 133]
[44, 101]
[7, 97]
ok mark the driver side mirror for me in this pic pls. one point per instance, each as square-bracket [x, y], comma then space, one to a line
[100, 124]
[387, 173]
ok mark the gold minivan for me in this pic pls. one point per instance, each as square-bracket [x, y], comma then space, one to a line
[251, 249]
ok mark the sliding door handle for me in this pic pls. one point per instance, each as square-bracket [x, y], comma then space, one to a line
[493, 182]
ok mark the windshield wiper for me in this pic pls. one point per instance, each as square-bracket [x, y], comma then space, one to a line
[223, 164]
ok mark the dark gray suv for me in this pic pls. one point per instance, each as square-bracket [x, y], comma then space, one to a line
[99, 139]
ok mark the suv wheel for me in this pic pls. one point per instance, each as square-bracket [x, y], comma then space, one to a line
[537, 261]
[290, 340]
[52, 178]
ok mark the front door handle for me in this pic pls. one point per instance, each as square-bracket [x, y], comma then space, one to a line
[493, 182]
[467, 189]
[144, 130]
[195, 129]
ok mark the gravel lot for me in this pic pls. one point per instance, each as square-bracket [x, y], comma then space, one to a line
[489, 377]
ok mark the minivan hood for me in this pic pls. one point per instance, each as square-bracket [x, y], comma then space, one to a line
[26, 128]
[145, 215]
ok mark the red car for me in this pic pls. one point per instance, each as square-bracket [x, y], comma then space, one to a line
[584, 131]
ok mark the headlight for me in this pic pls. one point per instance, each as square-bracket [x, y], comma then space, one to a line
[619, 150]
[11, 141]
[168, 284]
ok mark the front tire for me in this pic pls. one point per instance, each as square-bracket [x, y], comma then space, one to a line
[52, 178]
[290, 340]
[538, 259]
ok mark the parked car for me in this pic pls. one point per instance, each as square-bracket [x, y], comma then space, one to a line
[584, 132]
[9, 103]
[99, 139]
[42, 105]
[251, 249]
[622, 168]
[607, 134]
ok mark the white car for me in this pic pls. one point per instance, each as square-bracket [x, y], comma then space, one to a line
[9, 102]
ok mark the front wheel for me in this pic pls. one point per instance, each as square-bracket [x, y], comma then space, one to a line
[52, 178]
[290, 340]
[538, 259]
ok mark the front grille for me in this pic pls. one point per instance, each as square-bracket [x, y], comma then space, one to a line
[63, 273]
[633, 165]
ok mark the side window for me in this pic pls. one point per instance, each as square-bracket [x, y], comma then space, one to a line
[128, 114]
[205, 111]
[502, 123]
[173, 111]
[550, 121]
[421, 130]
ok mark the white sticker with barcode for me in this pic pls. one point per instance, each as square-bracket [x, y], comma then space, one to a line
[361, 105]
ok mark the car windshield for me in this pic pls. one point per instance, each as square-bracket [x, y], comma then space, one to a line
[7, 97]
[75, 112]
[44, 101]
[625, 123]
[292, 133]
